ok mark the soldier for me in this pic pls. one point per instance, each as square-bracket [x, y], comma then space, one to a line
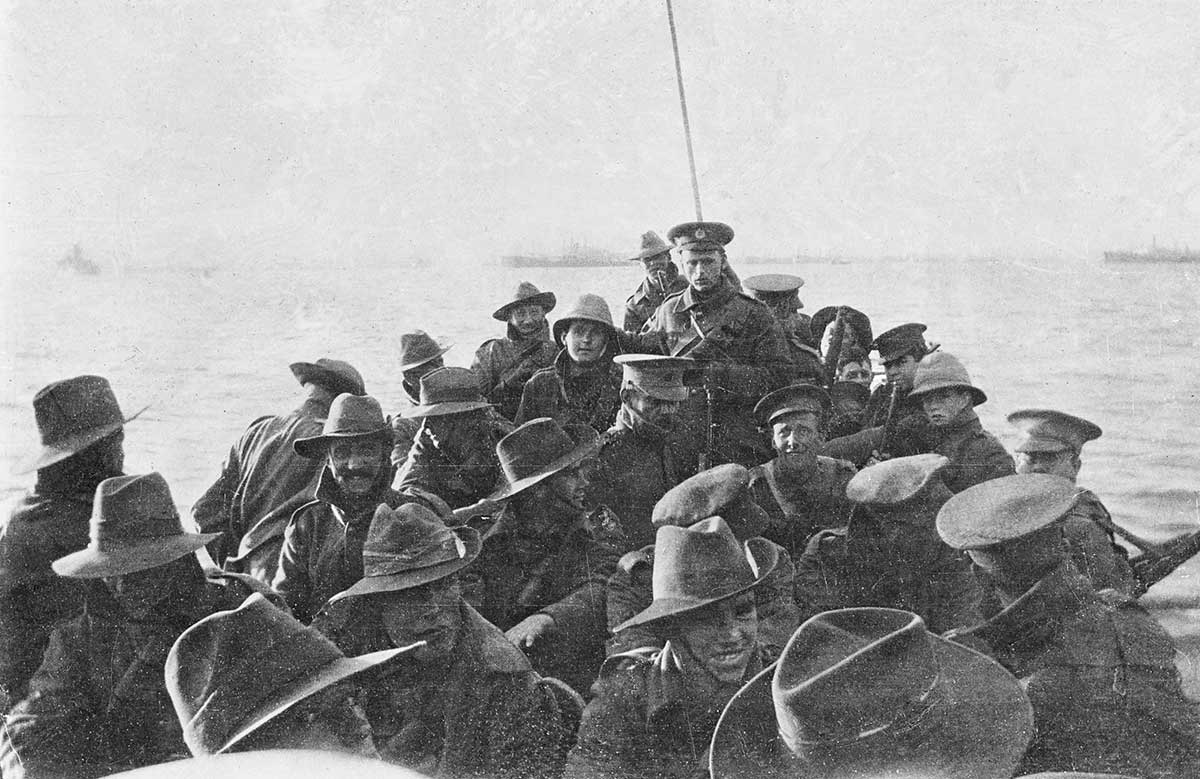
[855, 366]
[849, 406]
[419, 355]
[503, 365]
[454, 456]
[98, 703]
[1051, 444]
[736, 335]
[263, 480]
[654, 710]
[801, 490]
[82, 431]
[856, 333]
[780, 293]
[545, 562]
[464, 701]
[643, 455]
[872, 692]
[662, 280]
[1099, 671]
[254, 678]
[943, 388]
[322, 545]
[721, 491]
[890, 554]
[583, 384]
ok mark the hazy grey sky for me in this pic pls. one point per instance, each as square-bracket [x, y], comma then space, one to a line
[187, 131]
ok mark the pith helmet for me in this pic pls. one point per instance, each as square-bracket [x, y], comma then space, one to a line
[1052, 431]
[335, 375]
[350, 416]
[941, 370]
[587, 308]
[71, 415]
[525, 294]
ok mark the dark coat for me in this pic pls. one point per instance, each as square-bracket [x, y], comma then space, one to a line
[1094, 548]
[42, 528]
[910, 433]
[642, 304]
[98, 704]
[260, 479]
[428, 469]
[649, 720]
[503, 365]
[797, 511]
[630, 590]
[975, 455]
[568, 394]
[1101, 676]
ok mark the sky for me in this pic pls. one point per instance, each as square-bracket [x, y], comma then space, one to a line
[220, 132]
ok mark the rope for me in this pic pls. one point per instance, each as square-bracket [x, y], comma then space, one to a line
[687, 127]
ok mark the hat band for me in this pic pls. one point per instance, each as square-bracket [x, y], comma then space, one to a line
[390, 563]
[107, 536]
[912, 715]
[452, 395]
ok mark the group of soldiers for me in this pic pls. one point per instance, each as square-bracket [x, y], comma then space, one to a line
[698, 544]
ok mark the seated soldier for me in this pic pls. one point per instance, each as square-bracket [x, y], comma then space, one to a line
[654, 709]
[890, 554]
[545, 561]
[800, 490]
[780, 293]
[872, 692]
[503, 365]
[463, 702]
[255, 678]
[943, 388]
[583, 385]
[98, 703]
[848, 413]
[661, 281]
[1099, 670]
[721, 491]
[855, 366]
[419, 356]
[1051, 444]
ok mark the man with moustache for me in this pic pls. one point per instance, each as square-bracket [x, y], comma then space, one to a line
[322, 545]
[801, 491]
[463, 702]
[503, 365]
[738, 339]
[82, 432]
[662, 280]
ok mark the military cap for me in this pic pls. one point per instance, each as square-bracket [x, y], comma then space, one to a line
[901, 340]
[652, 246]
[657, 376]
[941, 370]
[722, 491]
[796, 398]
[895, 481]
[1052, 431]
[855, 320]
[772, 284]
[1004, 509]
[700, 235]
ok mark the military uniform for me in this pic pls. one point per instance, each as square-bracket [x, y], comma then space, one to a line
[572, 394]
[429, 469]
[503, 365]
[641, 305]
[975, 455]
[797, 511]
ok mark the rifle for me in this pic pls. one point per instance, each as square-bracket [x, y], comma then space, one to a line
[1154, 565]
[518, 366]
[835, 346]
[889, 422]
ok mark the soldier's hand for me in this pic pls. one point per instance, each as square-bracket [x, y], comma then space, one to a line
[526, 632]
[480, 508]
[876, 458]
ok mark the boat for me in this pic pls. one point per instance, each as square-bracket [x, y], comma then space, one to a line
[1154, 254]
[574, 255]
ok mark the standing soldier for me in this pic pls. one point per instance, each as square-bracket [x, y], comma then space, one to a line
[662, 280]
[780, 293]
[503, 365]
[419, 355]
[738, 338]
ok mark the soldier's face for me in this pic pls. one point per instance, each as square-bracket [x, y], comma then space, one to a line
[569, 487]
[659, 412]
[797, 436]
[355, 463]
[944, 406]
[857, 372]
[527, 320]
[702, 268]
[720, 638]
[656, 266]
[431, 613]
[1064, 463]
[586, 341]
[900, 372]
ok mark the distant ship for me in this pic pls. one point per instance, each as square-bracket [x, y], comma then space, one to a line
[1154, 254]
[574, 255]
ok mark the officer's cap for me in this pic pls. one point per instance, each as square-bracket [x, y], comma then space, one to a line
[896, 481]
[657, 376]
[1004, 509]
[718, 492]
[700, 235]
[1052, 431]
[796, 398]
[901, 340]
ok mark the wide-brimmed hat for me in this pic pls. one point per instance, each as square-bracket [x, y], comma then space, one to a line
[871, 692]
[234, 671]
[539, 449]
[588, 308]
[804, 398]
[335, 375]
[350, 416]
[418, 348]
[447, 390]
[723, 491]
[699, 565]
[700, 235]
[71, 415]
[856, 320]
[1003, 509]
[134, 526]
[525, 294]
[903, 339]
[1052, 431]
[272, 764]
[652, 246]
[664, 378]
[409, 547]
[897, 481]
[942, 370]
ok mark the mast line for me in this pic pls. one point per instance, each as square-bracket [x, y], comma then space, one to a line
[687, 126]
